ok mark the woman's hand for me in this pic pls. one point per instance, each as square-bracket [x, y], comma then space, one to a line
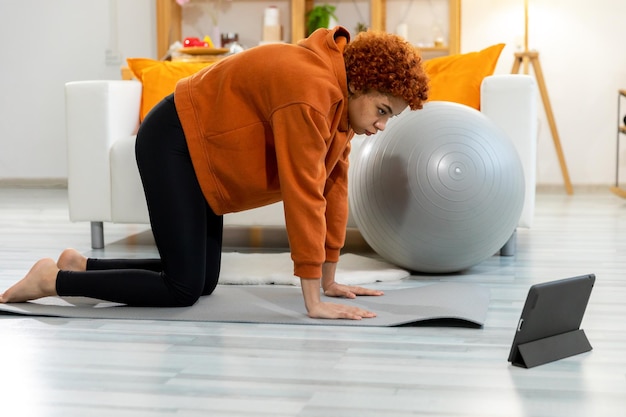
[334, 289]
[324, 310]
[348, 291]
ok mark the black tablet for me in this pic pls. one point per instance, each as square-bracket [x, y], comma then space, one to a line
[549, 326]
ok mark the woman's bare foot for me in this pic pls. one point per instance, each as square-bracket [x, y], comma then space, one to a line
[39, 282]
[72, 260]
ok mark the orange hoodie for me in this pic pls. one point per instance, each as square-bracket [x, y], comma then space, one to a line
[271, 124]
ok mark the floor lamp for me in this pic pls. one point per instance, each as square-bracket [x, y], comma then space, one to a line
[532, 57]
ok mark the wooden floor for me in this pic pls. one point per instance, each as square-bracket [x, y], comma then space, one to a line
[62, 367]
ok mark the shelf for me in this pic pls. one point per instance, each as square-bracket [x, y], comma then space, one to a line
[169, 22]
[169, 25]
[444, 49]
[378, 17]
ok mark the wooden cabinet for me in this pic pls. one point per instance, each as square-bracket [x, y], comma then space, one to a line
[168, 17]
[378, 20]
[169, 26]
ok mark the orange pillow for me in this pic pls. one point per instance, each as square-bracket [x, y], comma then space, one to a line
[458, 77]
[159, 78]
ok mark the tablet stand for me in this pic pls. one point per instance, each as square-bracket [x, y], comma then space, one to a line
[550, 349]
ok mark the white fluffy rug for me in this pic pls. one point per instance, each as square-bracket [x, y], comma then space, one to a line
[277, 268]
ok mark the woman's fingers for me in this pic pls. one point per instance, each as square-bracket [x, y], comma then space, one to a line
[365, 291]
[339, 311]
[350, 291]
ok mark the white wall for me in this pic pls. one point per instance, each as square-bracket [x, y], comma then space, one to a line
[47, 43]
[580, 45]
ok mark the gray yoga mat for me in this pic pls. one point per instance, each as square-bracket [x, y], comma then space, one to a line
[442, 303]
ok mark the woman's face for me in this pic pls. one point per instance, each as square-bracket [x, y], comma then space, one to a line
[369, 112]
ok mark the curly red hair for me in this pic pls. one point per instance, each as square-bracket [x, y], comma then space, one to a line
[386, 63]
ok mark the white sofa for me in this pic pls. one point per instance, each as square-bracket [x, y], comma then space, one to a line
[103, 181]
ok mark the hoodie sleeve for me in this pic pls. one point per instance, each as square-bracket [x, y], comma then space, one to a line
[313, 188]
[336, 195]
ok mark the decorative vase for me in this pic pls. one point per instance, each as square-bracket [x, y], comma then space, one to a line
[216, 36]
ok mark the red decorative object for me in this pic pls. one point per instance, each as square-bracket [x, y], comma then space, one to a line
[188, 42]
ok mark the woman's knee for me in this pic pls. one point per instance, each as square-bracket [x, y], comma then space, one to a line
[184, 294]
[185, 299]
[209, 287]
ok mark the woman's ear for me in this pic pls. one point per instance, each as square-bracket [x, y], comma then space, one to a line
[351, 88]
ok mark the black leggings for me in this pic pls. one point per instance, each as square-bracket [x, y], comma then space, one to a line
[187, 233]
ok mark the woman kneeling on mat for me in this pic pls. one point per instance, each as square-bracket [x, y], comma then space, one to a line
[271, 123]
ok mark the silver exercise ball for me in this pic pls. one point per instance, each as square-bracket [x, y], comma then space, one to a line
[440, 190]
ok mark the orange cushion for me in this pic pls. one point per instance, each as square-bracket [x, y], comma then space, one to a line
[458, 77]
[159, 78]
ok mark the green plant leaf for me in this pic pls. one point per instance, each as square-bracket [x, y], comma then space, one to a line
[319, 17]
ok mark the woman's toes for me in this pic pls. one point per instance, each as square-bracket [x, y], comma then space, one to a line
[39, 282]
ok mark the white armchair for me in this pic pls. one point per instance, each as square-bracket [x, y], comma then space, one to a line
[103, 181]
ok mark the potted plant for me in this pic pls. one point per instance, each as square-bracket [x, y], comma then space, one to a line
[319, 17]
